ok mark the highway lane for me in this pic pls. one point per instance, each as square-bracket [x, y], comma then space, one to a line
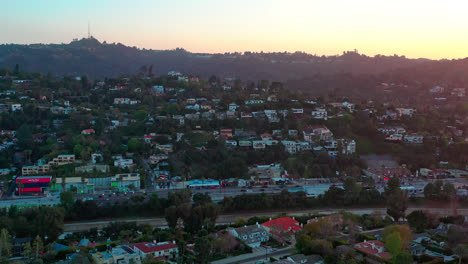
[231, 218]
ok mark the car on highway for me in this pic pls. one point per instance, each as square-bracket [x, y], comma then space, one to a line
[101, 196]
[262, 190]
[243, 190]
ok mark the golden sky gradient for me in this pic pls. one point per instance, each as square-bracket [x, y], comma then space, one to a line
[414, 28]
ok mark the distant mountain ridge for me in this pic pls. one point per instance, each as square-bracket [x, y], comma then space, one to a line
[96, 59]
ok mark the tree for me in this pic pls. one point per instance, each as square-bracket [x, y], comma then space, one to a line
[203, 246]
[201, 198]
[397, 200]
[24, 136]
[67, 200]
[402, 258]
[5, 245]
[134, 145]
[38, 246]
[171, 216]
[403, 231]
[418, 220]
[49, 222]
[155, 203]
[351, 191]
[28, 251]
[393, 243]
[16, 71]
[241, 221]
[462, 252]
[77, 150]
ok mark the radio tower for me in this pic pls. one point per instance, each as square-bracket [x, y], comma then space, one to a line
[89, 31]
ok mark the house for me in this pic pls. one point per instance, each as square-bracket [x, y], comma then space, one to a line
[252, 102]
[437, 89]
[252, 235]
[246, 116]
[16, 107]
[123, 163]
[293, 133]
[272, 98]
[278, 227]
[297, 112]
[413, 139]
[88, 131]
[417, 249]
[392, 130]
[155, 159]
[332, 147]
[158, 89]
[395, 138]
[258, 144]
[405, 111]
[225, 133]
[121, 100]
[348, 147]
[373, 248]
[117, 255]
[311, 133]
[233, 107]
[166, 148]
[272, 115]
[290, 146]
[303, 259]
[18, 245]
[191, 101]
[266, 136]
[319, 113]
[459, 92]
[154, 250]
[148, 138]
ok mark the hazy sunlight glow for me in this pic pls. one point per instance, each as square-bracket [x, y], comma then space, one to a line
[415, 28]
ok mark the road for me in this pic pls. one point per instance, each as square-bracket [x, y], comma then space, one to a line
[255, 256]
[231, 218]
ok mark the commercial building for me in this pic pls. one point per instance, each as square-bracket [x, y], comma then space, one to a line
[32, 184]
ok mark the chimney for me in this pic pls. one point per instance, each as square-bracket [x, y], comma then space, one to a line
[257, 224]
[173, 242]
[154, 241]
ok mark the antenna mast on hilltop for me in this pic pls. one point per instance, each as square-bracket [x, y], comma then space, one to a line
[89, 31]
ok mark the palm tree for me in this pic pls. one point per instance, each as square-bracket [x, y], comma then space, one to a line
[20, 185]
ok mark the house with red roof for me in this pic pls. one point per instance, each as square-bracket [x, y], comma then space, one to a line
[282, 229]
[166, 249]
[88, 131]
[373, 248]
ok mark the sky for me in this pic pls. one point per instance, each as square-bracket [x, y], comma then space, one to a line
[414, 28]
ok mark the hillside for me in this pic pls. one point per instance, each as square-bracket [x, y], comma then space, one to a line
[96, 59]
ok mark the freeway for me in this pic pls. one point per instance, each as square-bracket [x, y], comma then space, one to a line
[231, 218]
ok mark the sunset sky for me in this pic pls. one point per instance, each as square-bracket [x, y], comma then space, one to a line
[415, 28]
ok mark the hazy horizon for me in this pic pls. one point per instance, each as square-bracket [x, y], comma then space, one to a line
[419, 29]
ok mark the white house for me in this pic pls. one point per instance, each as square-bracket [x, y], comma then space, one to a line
[319, 113]
[252, 235]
